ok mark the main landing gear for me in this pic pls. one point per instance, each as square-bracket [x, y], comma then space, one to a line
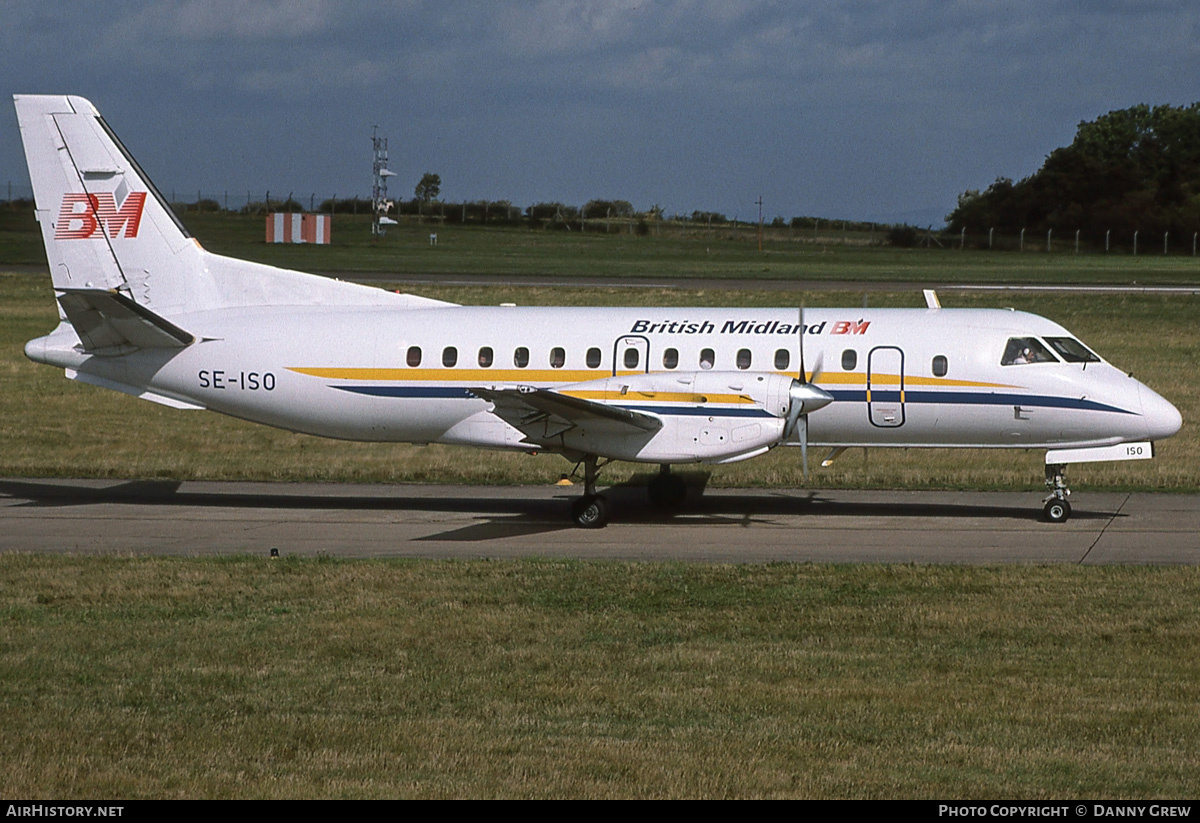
[666, 490]
[1057, 509]
[591, 510]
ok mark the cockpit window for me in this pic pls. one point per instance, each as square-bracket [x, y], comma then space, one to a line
[1022, 350]
[1072, 350]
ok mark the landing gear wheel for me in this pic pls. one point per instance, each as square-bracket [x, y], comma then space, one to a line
[667, 491]
[590, 512]
[1057, 511]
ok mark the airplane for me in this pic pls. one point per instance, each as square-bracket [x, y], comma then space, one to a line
[145, 310]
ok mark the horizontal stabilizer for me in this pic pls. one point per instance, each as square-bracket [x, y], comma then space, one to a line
[141, 392]
[106, 319]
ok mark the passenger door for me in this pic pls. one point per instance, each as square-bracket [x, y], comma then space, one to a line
[885, 387]
[631, 354]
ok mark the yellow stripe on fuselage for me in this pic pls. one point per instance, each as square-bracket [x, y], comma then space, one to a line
[661, 396]
[455, 375]
[860, 379]
[509, 375]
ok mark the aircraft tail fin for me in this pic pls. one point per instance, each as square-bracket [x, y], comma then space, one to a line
[104, 225]
[108, 230]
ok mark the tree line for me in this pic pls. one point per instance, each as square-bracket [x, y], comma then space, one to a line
[1136, 169]
[549, 214]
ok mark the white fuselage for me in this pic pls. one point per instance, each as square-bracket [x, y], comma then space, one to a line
[899, 377]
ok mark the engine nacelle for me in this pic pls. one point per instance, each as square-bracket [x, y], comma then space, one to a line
[707, 416]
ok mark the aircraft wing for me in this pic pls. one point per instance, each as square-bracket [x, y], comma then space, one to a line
[107, 319]
[544, 413]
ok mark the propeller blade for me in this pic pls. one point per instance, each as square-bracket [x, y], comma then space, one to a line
[789, 428]
[800, 343]
[805, 398]
[833, 455]
[804, 446]
[818, 368]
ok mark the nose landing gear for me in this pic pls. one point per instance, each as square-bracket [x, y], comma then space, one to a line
[1056, 508]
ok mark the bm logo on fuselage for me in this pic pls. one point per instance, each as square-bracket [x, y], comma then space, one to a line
[81, 215]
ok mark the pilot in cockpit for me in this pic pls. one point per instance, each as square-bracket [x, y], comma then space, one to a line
[1023, 350]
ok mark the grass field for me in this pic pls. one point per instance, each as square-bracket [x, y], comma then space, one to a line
[130, 677]
[715, 253]
[677, 253]
[124, 677]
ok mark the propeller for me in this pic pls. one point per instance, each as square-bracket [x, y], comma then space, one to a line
[805, 398]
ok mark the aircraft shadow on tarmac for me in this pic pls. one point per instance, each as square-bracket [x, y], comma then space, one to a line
[507, 516]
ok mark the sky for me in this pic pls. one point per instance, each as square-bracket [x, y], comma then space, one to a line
[859, 110]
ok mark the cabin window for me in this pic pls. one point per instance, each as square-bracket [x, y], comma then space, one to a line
[631, 358]
[449, 356]
[521, 357]
[707, 359]
[670, 358]
[849, 360]
[485, 357]
[593, 358]
[1022, 350]
[558, 356]
[783, 359]
[743, 358]
[940, 365]
[413, 358]
[1071, 350]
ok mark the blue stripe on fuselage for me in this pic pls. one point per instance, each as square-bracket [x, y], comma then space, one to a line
[963, 398]
[842, 395]
[421, 392]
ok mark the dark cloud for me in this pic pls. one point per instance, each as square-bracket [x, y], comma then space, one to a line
[856, 109]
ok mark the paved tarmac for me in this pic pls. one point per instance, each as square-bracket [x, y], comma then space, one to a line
[722, 525]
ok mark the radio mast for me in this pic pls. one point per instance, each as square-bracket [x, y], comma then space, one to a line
[380, 205]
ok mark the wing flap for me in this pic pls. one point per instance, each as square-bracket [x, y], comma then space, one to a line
[544, 413]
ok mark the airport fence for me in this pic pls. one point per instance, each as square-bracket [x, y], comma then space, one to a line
[586, 218]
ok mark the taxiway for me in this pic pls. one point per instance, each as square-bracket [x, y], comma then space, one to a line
[723, 525]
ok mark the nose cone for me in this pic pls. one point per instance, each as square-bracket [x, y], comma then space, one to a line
[1162, 419]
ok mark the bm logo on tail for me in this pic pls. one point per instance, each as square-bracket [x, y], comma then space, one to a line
[82, 214]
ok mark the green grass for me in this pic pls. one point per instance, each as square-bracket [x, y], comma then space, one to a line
[131, 677]
[50, 426]
[126, 677]
[717, 253]
[673, 252]
[20, 240]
